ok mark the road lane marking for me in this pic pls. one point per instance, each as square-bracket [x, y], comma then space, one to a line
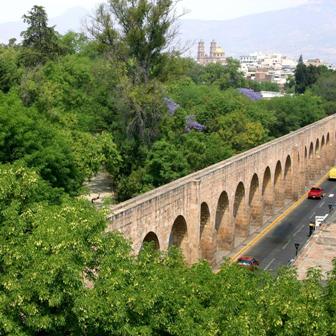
[331, 195]
[321, 205]
[275, 222]
[296, 232]
[284, 247]
[269, 264]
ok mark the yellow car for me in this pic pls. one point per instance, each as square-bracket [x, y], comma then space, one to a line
[332, 173]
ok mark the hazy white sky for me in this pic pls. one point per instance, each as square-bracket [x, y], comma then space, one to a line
[12, 10]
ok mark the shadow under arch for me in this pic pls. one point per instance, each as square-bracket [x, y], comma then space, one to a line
[323, 154]
[310, 166]
[278, 187]
[240, 215]
[255, 204]
[151, 238]
[288, 179]
[207, 248]
[267, 194]
[224, 224]
[179, 235]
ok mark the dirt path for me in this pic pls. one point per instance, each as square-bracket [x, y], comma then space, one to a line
[99, 188]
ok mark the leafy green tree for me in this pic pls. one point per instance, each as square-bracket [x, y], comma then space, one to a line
[300, 76]
[62, 157]
[241, 133]
[9, 69]
[40, 42]
[74, 43]
[140, 30]
[46, 248]
[223, 76]
[325, 86]
[144, 109]
[262, 86]
[306, 76]
[165, 163]
[293, 112]
[202, 149]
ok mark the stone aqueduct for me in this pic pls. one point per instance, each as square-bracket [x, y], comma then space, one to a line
[213, 210]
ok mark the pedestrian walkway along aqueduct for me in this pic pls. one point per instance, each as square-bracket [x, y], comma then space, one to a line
[211, 211]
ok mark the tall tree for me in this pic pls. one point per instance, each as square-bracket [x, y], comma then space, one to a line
[300, 76]
[40, 41]
[139, 30]
[306, 76]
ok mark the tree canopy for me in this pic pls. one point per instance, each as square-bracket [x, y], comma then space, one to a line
[119, 99]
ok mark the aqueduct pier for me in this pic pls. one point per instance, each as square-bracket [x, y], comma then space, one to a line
[213, 210]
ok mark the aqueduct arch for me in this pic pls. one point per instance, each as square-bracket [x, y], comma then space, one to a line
[288, 179]
[179, 234]
[205, 212]
[278, 187]
[240, 214]
[152, 238]
[223, 224]
[206, 234]
[310, 165]
[267, 194]
[255, 204]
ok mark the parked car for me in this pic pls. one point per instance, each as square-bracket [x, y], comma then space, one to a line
[316, 192]
[248, 262]
[332, 173]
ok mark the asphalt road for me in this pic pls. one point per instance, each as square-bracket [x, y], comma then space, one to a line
[277, 247]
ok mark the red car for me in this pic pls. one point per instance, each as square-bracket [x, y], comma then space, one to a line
[316, 192]
[248, 262]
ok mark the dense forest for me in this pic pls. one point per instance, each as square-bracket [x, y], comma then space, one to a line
[121, 98]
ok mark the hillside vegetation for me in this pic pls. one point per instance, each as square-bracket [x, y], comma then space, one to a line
[119, 99]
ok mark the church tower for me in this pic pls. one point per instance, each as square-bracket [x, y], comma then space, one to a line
[213, 47]
[201, 52]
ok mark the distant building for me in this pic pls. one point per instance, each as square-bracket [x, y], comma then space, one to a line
[273, 67]
[314, 62]
[217, 54]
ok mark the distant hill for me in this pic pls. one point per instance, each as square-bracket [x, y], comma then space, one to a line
[71, 20]
[308, 29]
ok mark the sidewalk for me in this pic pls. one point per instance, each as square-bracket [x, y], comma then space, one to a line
[320, 249]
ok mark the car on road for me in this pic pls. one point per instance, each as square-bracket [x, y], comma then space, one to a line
[332, 173]
[248, 262]
[316, 192]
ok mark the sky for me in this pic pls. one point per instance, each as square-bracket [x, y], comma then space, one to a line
[196, 9]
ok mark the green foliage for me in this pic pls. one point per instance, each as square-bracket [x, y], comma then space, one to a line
[293, 112]
[262, 86]
[306, 76]
[144, 109]
[9, 70]
[92, 104]
[325, 87]
[61, 274]
[202, 150]
[45, 248]
[222, 76]
[62, 157]
[165, 163]
[137, 30]
[235, 129]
